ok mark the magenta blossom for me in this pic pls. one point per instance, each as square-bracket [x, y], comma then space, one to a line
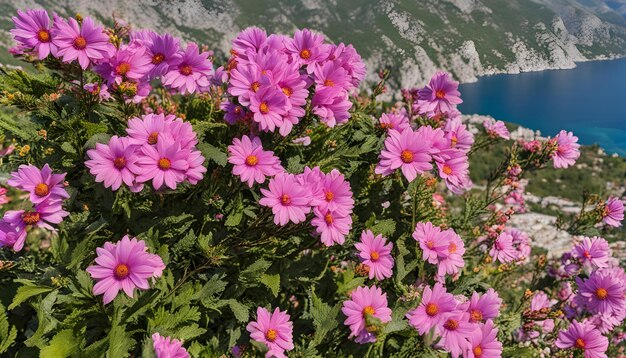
[147, 128]
[190, 72]
[441, 95]
[583, 336]
[602, 292]
[566, 152]
[503, 249]
[167, 347]
[84, 42]
[484, 342]
[10, 235]
[613, 212]
[433, 309]
[332, 226]
[4, 198]
[496, 129]
[269, 105]
[333, 194]
[452, 262]
[129, 62]
[163, 52]
[124, 265]
[288, 199]
[458, 135]
[375, 253]
[331, 105]
[114, 163]
[397, 121]
[455, 333]
[274, 330]
[306, 48]
[41, 184]
[32, 31]
[433, 242]
[407, 150]
[164, 165]
[251, 162]
[42, 216]
[593, 251]
[484, 306]
[365, 302]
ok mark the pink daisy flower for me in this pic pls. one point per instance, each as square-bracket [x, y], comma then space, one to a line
[331, 105]
[567, 151]
[496, 129]
[42, 215]
[583, 336]
[190, 71]
[129, 62]
[407, 150]
[250, 39]
[457, 134]
[195, 171]
[433, 309]
[32, 31]
[10, 235]
[275, 330]
[397, 121]
[433, 242]
[114, 163]
[484, 342]
[245, 81]
[306, 48]
[269, 105]
[453, 167]
[593, 251]
[441, 95]
[147, 128]
[455, 333]
[251, 162]
[365, 302]
[41, 184]
[375, 253]
[4, 198]
[288, 199]
[167, 347]
[334, 194]
[84, 42]
[163, 51]
[484, 306]
[602, 292]
[332, 226]
[165, 164]
[613, 212]
[331, 74]
[453, 261]
[350, 60]
[503, 249]
[124, 265]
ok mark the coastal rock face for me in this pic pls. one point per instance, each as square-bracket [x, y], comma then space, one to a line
[468, 38]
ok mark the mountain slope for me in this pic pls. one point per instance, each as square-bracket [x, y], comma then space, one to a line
[415, 38]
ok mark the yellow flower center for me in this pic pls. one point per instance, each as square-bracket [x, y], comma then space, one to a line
[119, 163]
[121, 271]
[440, 94]
[328, 218]
[580, 343]
[368, 310]
[432, 309]
[329, 83]
[451, 324]
[153, 138]
[252, 160]
[122, 68]
[476, 316]
[447, 170]
[80, 43]
[478, 351]
[30, 217]
[42, 189]
[374, 256]
[271, 335]
[158, 58]
[255, 86]
[406, 156]
[43, 35]
[264, 108]
[285, 200]
[452, 248]
[305, 54]
[453, 141]
[602, 293]
[164, 164]
[287, 91]
[329, 196]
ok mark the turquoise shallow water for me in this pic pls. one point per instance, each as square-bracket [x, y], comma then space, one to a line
[589, 100]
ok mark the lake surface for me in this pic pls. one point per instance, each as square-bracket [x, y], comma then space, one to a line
[589, 100]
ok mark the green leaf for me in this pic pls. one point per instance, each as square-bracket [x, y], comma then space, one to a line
[294, 165]
[62, 345]
[27, 291]
[385, 227]
[96, 138]
[324, 317]
[7, 336]
[213, 153]
[251, 275]
[272, 282]
[68, 148]
[239, 309]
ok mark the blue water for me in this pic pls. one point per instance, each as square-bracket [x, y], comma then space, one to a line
[589, 100]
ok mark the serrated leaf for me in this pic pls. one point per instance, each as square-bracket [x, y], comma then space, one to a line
[62, 345]
[7, 334]
[324, 317]
[213, 153]
[252, 273]
[68, 148]
[272, 282]
[27, 291]
[385, 227]
[239, 310]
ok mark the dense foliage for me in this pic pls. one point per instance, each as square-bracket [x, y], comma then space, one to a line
[268, 206]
